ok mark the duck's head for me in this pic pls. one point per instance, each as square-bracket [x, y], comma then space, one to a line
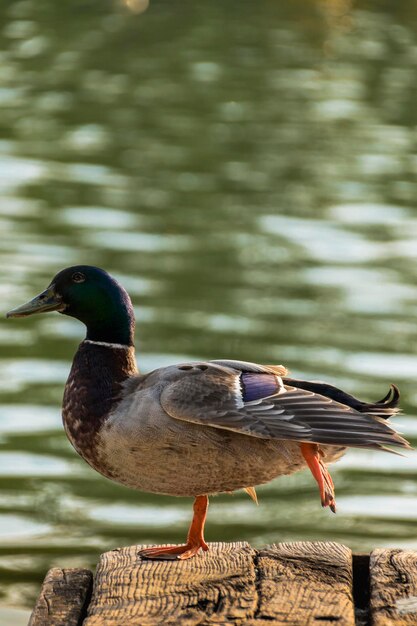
[91, 295]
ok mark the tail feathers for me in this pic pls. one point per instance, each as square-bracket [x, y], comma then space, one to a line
[380, 411]
[385, 408]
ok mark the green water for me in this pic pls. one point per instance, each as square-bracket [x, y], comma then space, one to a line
[248, 170]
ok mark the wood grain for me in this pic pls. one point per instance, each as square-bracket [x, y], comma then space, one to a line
[217, 587]
[63, 598]
[288, 584]
[393, 580]
[305, 583]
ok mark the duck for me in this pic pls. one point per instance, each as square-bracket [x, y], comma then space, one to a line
[198, 428]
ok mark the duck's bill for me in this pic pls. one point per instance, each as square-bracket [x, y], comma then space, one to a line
[48, 300]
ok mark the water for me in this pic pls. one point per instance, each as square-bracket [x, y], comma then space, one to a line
[248, 171]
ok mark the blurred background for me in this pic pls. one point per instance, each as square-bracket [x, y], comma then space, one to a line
[248, 170]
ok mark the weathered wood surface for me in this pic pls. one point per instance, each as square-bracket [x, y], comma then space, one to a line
[393, 581]
[64, 598]
[305, 583]
[217, 587]
[288, 584]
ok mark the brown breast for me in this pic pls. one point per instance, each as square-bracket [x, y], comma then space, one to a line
[92, 390]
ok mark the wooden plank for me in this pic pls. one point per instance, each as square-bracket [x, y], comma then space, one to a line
[393, 579]
[217, 587]
[305, 583]
[63, 598]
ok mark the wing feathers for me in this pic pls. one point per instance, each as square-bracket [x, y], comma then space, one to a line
[215, 397]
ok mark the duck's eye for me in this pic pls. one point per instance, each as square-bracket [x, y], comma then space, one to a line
[78, 277]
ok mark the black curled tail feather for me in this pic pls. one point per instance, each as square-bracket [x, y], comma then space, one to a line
[384, 408]
[388, 405]
[391, 400]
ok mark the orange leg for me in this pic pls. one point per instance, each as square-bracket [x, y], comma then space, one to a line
[311, 453]
[195, 537]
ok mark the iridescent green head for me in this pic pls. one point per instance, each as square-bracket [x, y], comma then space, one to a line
[91, 295]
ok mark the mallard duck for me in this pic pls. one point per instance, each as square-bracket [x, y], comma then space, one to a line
[197, 428]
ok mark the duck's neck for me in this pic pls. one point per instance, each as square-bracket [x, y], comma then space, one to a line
[93, 388]
[113, 323]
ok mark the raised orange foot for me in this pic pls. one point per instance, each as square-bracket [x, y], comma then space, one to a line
[195, 538]
[312, 454]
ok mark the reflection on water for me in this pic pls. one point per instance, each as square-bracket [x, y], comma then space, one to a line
[252, 182]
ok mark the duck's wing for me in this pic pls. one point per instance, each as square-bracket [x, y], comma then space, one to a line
[254, 400]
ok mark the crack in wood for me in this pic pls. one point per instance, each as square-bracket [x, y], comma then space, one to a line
[361, 588]
[402, 577]
[257, 584]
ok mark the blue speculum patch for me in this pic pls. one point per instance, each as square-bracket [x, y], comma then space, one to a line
[256, 386]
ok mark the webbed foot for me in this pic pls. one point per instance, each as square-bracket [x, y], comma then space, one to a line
[168, 553]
